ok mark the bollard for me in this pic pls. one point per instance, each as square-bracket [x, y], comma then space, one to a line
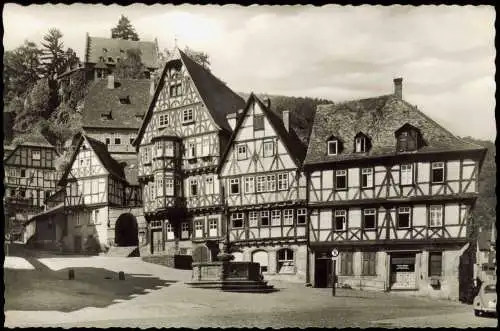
[121, 275]
[71, 274]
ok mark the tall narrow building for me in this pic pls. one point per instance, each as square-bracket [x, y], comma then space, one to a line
[179, 146]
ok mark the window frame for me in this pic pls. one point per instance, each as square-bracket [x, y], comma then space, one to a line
[346, 263]
[442, 166]
[341, 173]
[282, 179]
[430, 214]
[369, 263]
[271, 183]
[234, 183]
[253, 219]
[286, 261]
[408, 212]
[275, 217]
[328, 147]
[430, 269]
[261, 216]
[369, 178]
[261, 184]
[249, 184]
[240, 150]
[187, 115]
[265, 150]
[365, 210]
[412, 171]
[301, 212]
[193, 182]
[258, 122]
[169, 186]
[237, 217]
[288, 217]
[33, 153]
[362, 144]
[163, 120]
[338, 214]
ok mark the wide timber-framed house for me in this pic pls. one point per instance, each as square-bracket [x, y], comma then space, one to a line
[265, 190]
[393, 191]
[179, 145]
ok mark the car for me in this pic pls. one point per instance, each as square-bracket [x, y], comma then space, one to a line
[486, 300]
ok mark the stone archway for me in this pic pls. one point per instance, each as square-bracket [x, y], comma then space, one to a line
[126, 230]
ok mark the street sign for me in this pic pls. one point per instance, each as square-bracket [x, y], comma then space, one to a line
[335, 253]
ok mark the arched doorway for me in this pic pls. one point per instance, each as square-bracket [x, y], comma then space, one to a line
[201, 254]
[262, 258]
[126, 232]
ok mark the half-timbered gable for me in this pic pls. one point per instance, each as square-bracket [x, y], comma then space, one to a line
[179, 146]
[406, 184]
[265, 191]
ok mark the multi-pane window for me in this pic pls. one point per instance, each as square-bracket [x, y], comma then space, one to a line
[406, 174]
[193, 184]
[212, 227]
[436, 215]
[209, 189]
[369, 264]
[283, 181]
[163, 120]
[237, 220]
[261, 183]
[155, 224]
[360, 144]
[191, 151]
[258, 122]
[175, 90]
[249, 184]
[23, 173]
[366, 177]
[341, 179]
[301, 216]
[108, 141]
[333, 147]
[35, 155]
[275, 218]
[242, 151]
[169, 186]
[159, 186]
[369, 219]
[205, 146]
[271, 183]
[253, 219]
[169, 148]
[118, 141]
[437, 172]
[169, 231]
[404, 214]
[264, 217]
[152, 192]
[187, 115]
[286, 261]
[268, 148]
[198, 229]
[288, 217]
[346, 265]
[407, 141]
[435, 263]
[340, 220]
[234, 185]
[184, 230]
[159, 148]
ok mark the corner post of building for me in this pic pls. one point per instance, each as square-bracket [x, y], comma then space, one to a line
[308, 222]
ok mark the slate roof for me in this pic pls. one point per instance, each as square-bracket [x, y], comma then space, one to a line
[95, 49]
[101, 100]
[292, 143]
[218, 98]
[378, 118]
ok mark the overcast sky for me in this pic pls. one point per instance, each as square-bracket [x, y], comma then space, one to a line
[445, 54]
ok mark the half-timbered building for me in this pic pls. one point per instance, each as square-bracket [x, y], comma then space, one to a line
[29, 180]
[179, 146]
[102, 200]
[393, 191]
[265, 192]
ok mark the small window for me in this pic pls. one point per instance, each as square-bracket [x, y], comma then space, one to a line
[340, 220]
[288, 217]
[436, 216]
[187, 115]
[108, 141]
[253, 219]
[264, 218]
[175, 90]
[212, 227]
[258, 122]
[404, 214]
[234, 185]
[275, 218]
[249, 184]
[194, 187]
[361, 144]
[435, 263]
[406, 174]
[35, 155]
[125, 100]
[341, 179]
[366, 177]
[301, 216]
[438, 172]
[242, 152]
[118, 141]
[237, 220]
[369, 219]
[333, 147]
[369, 264]
[163, 120]
[407, 139]
[286, 262]
[185, 230]
[346, 264]
[283, 181]
[268, 148]
[23, 173]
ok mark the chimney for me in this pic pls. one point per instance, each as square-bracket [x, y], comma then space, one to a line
[267, 102]
[286, 120]
[111, 81]
[398, 87]
[231, 119]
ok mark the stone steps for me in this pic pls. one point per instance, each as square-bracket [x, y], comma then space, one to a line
[249, 286]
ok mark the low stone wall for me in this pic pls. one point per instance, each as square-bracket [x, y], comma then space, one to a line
[171, 261]
[361, 283]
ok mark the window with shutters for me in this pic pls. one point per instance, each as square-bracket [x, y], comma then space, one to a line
[406, 174]
[436, 216]
[264, 218]
[404, 217]
[369, 219]
[340, 220]
[258, 122]
[237, 220]
[437, 172]
[362, 143]
[341, 179]
[369, 260]
[367, 177]
[435, 264]
[234, 185]
[249, 184]
[346, 267]
[288, 217]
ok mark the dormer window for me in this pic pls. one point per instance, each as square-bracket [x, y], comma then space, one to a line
[333, 146]
[361, 143]
[408, 138]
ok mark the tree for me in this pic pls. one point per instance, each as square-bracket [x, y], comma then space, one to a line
[53, 58]
[199, 57]
[124, 30]
[131, 67]
[21, 70]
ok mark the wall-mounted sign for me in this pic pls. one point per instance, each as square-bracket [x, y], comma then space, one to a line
[335, 253]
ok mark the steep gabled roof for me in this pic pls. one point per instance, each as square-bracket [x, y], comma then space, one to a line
[100, 149]
[379, 118]
[219, 99]
[117, 48]
[290, 140]
[101, 101]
